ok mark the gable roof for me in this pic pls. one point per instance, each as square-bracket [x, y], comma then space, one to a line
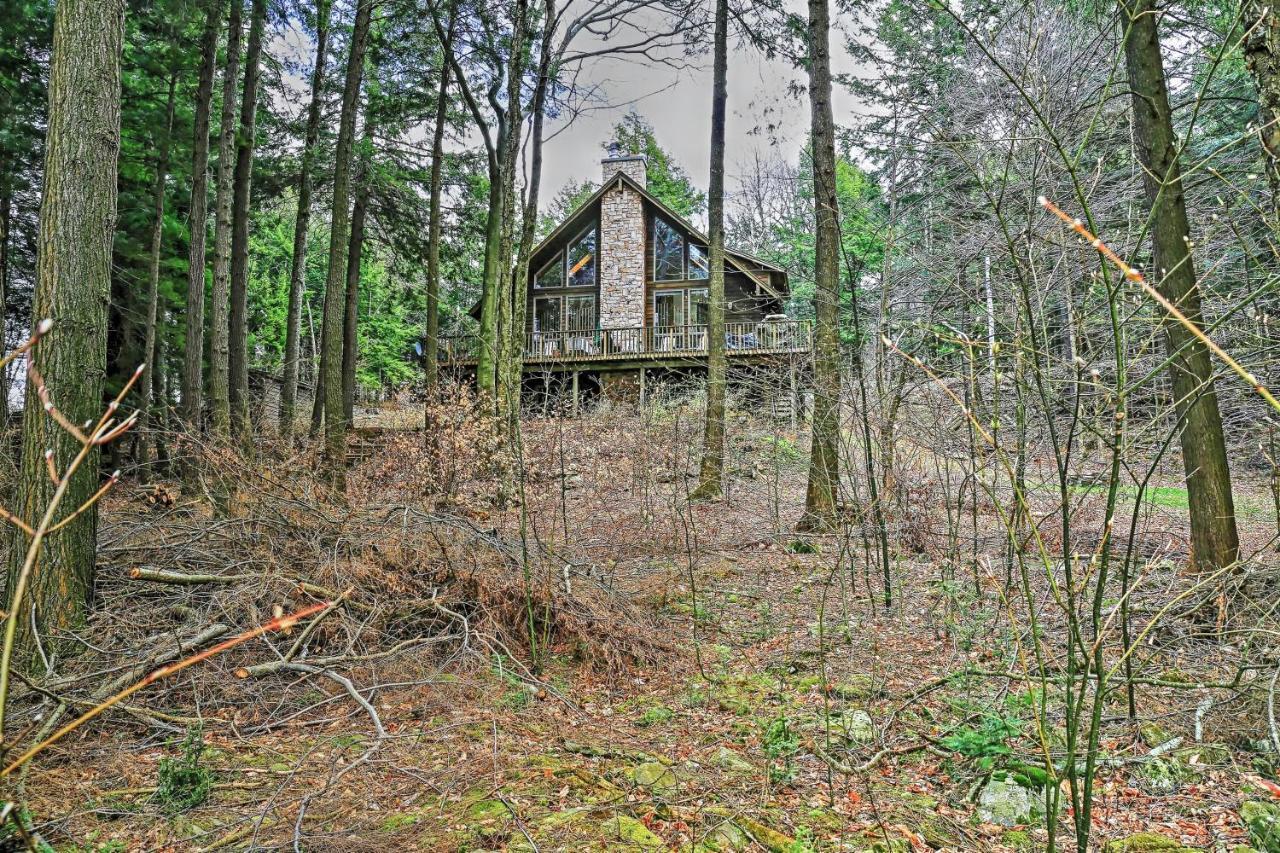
[742, 261]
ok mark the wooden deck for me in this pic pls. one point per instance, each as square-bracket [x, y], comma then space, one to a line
[621, 348]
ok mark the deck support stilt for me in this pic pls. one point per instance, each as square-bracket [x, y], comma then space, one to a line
[575, 393]
[795, 400]
[642, 387]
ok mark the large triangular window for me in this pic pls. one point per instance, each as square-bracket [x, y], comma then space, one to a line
[581, 259]
[668, 251]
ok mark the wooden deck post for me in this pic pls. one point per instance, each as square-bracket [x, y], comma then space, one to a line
[642, 387]
[795, 401]
[575, 393]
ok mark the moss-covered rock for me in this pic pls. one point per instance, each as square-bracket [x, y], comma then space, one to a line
[852, 726]
[1146, 842]
[1203, 754]
[855, 688]
[1017, 839]
[1262, 819]
[727, 759]
[656, 778]
[1167, 773]
[1154, 734]
[767, 837]
[631, 832]
[1006, 803]
[727, 836]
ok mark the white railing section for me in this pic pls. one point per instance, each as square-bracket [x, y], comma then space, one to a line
[757, 338]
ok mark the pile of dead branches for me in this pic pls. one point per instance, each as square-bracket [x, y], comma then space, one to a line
[410, 592]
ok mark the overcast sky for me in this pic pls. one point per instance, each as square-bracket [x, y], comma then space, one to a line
[764, 116]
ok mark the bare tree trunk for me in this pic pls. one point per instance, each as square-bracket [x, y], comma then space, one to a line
[145, 391]
[1262, 55]
[432, 355]
[238, 331]
[510, 339]
[298, 269]
[712, 468]
[160, 400]
[219, 392]
[193, 357]
[520, 281]
[1214, 540]
[77, 221]
[350, 338]
[824, 462]
[6, 217]
[335, 425]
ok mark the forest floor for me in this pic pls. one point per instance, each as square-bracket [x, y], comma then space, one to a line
[711, 680]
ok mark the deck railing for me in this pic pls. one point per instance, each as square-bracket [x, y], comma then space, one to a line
[758, 338]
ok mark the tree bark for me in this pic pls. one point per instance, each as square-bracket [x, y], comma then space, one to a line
[238, 331]
[711, 471]
[432, 355]
[1214, 540]
[335, 425]
[1262, 55]
[298, 269]
[824, 462]
[355, 248]
[219, 392]
[77, 223]
[509, 336]
[520, 280]
[145, 390]
[193, 356]
[6, 206]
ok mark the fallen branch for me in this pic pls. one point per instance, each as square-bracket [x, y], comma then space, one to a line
[151, 789]
[858, 769]
[181, 578]
[280, 623]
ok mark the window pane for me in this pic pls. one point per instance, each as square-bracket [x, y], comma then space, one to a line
[552, 275]
[698, 314]
[546, 314]
[582, 260]
[699, 267]
[668, 308]
[668, 252]
[582, 313]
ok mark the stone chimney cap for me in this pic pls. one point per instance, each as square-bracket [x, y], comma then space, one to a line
[634, 166]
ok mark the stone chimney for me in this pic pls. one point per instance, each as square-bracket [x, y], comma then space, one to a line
[622, 243]
[634, 166]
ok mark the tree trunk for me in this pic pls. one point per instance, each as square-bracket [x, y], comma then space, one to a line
[298, 269]
[193, 357]
[160, 400]
[432, 355]
[77, 223]
[520, 280]
[1214, 541]
[1262, 55]
[331, 330]
[219, 393]
[145, 392]
[350, 339]
[712, 469]
[824, 462]
[486, 350]
[6, 206]
[238, 331]
[510, 337]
